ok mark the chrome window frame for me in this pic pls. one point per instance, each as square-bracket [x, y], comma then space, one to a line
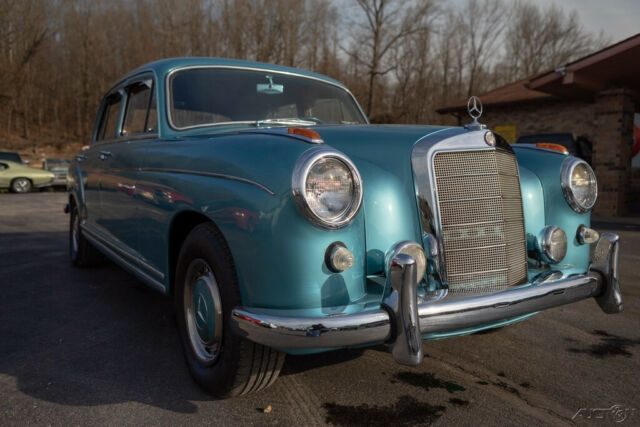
[169, 92]
[120, 87]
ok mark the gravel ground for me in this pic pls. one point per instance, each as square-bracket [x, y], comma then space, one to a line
[97, 347]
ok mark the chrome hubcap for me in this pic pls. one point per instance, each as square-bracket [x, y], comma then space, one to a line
[203, 311]
[21, 185]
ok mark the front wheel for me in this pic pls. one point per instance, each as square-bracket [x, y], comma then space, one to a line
[21, 185]
[206, 291]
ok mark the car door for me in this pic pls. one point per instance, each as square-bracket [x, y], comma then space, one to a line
[88, 161]
[121, 158]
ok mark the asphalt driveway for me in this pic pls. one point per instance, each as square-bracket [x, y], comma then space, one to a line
[96, 346]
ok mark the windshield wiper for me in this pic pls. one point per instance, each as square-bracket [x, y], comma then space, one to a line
[284, 121]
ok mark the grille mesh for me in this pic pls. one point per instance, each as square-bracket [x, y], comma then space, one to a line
[482, 222]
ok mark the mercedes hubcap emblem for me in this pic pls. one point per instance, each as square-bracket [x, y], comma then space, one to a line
[201, 313]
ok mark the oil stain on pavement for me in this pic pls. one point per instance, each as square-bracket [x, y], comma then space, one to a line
[406, 411]
[427, 381]
[609, 345]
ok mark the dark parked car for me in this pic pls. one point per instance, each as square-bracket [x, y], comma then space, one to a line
[578, 146]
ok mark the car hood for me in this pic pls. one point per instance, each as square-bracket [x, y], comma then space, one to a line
[387, 146]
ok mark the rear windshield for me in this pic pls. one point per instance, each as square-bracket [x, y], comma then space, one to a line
[12, 157]
[204, 96]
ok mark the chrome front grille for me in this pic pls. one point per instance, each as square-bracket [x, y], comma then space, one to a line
[481, 219]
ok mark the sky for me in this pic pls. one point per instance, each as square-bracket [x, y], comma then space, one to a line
[618, 19]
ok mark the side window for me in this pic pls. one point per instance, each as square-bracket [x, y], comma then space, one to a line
[109, 121]
[152, 117]
[137, 107]
[141, 115]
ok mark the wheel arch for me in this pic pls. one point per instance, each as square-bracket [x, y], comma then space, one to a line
[181, 225]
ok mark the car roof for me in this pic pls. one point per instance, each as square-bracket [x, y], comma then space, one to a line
[164, 66]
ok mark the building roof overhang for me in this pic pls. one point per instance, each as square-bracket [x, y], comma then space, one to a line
[614, 67]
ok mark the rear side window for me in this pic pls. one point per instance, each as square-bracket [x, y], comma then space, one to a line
[137, 116]
[109, 122]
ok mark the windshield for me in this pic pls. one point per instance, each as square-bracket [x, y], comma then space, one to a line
[210, 96]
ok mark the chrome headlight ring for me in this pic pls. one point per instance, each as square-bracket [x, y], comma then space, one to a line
[304, 165]
[566, 181]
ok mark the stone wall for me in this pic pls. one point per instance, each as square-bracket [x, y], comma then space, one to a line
[544, 117]
[612, 150]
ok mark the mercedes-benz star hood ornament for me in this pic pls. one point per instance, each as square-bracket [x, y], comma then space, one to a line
[474, 107]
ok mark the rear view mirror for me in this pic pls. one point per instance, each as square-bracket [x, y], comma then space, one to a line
[270, 88]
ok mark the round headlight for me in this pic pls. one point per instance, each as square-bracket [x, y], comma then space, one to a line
[579, 184]
[553, 244]
[327, 187]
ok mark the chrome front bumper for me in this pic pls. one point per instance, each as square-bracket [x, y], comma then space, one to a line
[401, 321]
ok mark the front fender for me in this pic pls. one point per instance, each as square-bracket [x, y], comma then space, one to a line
[545, 204]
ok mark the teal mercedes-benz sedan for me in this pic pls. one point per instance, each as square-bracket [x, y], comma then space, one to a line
[280, 221]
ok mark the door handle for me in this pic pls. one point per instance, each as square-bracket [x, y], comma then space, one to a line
[104, 155]
[80, 158]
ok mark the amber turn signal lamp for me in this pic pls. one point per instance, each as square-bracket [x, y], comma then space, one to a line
[552, 146]
[307, 133]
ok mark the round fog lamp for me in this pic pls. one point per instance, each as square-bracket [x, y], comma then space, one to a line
[553, 244]
[339, 258]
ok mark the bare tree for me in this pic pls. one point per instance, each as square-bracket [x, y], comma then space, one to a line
[386, 23]
[403, 58]
[540, 39]
[482, 21]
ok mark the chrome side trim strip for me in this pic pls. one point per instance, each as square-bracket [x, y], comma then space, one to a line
[114, 253]
[210, 174]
